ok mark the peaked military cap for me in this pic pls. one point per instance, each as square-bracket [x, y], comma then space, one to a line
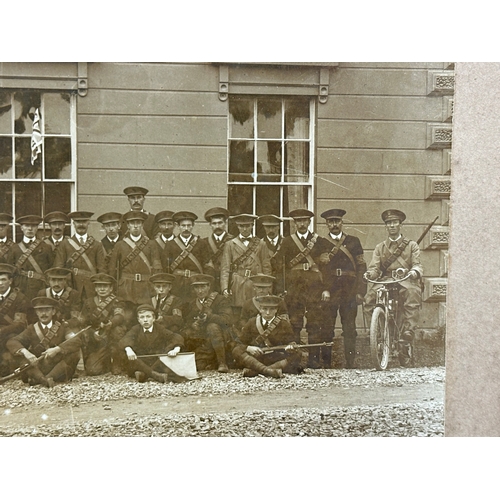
[216, 212]
[269, 220]
[243, 218]
[178, 216]
[109, 217]
[5, 218]
[39, 302]
[165, 215]
[201, 279]
[301, 213]
[133, 190]
[268, 300]
[262, 279]
[80, 215]
[102, 278]
[135, 215]
[56, 217]
[57, 272]
[145, 307]
[29, 219]
[333, 213]
[162, 278]
[7, 269]
[391, 214]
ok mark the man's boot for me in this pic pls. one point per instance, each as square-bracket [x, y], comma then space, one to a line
[349, 351]
[217, 341]
[254, 364]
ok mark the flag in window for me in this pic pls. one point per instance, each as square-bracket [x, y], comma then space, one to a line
[36, 137]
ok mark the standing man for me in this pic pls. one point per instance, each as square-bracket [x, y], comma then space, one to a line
[165, 222]
[133, 260]
[31, 256]
[136, 198]
[57, 222]
[5, 241]
[184, 255]
[214, 244]
[342, 266]
[393, 253]
[300, 278]
[111, 224]
[273, 239]
[243, 256]
[82, 254]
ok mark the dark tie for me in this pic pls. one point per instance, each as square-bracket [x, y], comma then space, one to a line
[44, 330]
[57, 297]
[246, 239]
[81, 240]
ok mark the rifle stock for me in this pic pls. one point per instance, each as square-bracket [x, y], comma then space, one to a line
[297, 346]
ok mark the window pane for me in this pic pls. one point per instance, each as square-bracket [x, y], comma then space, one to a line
[28, 198]
[57, 197]
[25, 104]
[241, 157]
[57, 113]
[294, 197]
[6, 197]
[297, 119]
[241, 118]
[57, 158]
[269, 118]
[296, 161]
[267, 202]
[5, 106]
[5, 158]
[24, 168]
[269, 161]
[239, 201]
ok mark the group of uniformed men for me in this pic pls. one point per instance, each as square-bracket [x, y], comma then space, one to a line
[69, 303]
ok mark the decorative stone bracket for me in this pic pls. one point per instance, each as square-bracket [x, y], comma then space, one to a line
[437, 238]
[440, 83]
[435, 289]
[439, 135]
[437, 187]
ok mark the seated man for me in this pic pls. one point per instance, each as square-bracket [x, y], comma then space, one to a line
[146, 341]
[394, 253]
[168, 307]
[44, 337]
[207, 322]
[266, 330]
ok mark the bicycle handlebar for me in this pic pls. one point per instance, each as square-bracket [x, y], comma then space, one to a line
[388, 282]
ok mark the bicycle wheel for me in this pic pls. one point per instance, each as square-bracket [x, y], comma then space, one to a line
[379, 339]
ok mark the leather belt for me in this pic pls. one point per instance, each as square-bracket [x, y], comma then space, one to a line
[305, 267]
[187, 273]
[32, 275]
[244, 272]
[81, 272]
[136, 276]
[341, 272]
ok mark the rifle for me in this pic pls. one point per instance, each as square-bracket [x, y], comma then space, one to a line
[427, 229]
[297, 346]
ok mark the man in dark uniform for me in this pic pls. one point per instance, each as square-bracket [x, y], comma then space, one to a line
[393, 253]
[342, 266]
[69, 300]
[111, 224]
[57, 222]
[165, 222]
[207, 320]
[273, 238]
[31, 256]
[136, 198]
[214, 244]
[267, 329]
[5, 240]
[82, 254]
[13, 308]
[134, 259]
[184, 255]
[302, 280]
[168, 307]
[44, 338]
[243, 256]
[149, 338]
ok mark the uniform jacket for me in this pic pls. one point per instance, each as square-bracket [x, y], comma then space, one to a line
[250, 310]
[13, 310]
[108, 246]
[52, 245]
[219, 313]
[149, 228]
[160, 341]
[258, 262]
[168, 312]
[69, 302]
[172, 250]
[4, 250]
[282, 334]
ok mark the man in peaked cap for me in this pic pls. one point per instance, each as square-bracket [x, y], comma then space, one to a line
[82, 254]
[207, 320]
[5, 240]
[273, 239]
[393, 253]
[214, 244]
[342, 266]
[111, 224]
[165, 222]
[57, 223]
[243, 256]
[168, 307]
[299, 276]
[42, 340]
[136, 197]
[267, 329]
[31, 256]
[184, 256]
[13, 308]
[133, 260]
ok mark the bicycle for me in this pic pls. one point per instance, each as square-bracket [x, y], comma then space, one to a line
[386, 323]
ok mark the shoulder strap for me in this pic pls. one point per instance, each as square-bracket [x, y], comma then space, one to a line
[27, 254]
[338, 245]
[264, 334]
[136, 250]
[5, 248]
[252, 246]
[80, 251]
[102, 309]
[399, 250]
[186, 252]
[304, 250]
[7, 303]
